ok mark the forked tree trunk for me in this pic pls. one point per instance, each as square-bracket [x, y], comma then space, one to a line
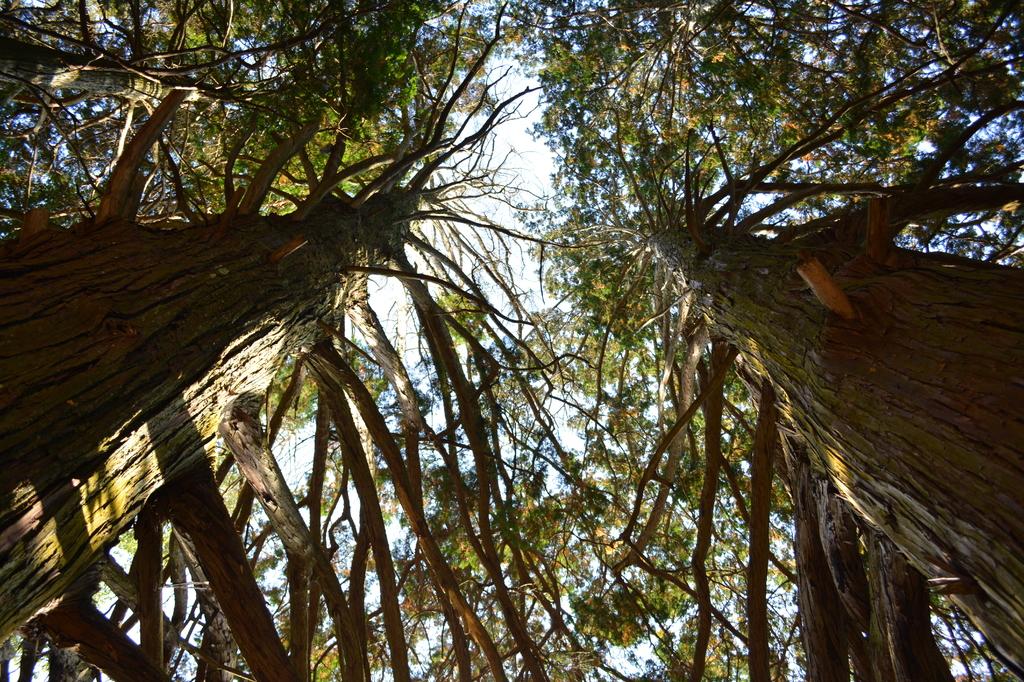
[913, 407]
[120, 346]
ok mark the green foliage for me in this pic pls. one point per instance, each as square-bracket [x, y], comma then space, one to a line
[668, 117]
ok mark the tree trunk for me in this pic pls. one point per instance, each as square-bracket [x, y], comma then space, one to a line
[50, 69]
[766, 440]
[121, 347]
[197, 508]
[30, 645]
[912, 407]
[149, 581]
[823, 626]
[63, 665]
[901, 626]
[80, 627]
[840, 538]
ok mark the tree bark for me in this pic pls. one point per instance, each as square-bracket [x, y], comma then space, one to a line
[63, 665]
[766, 439]
[218, 651]
[51, 70]
[79, 626]
[913, 408]
[901, 626]
[196, 506]
[121, 347]
[822, 623]
[298, 573]
[244, 437]
[840, 538]
[706, 513]
[148, 576]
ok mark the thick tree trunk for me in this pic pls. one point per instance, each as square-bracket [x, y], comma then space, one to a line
[912, 407]
[121, 346]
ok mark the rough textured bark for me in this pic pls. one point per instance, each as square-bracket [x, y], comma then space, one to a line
[148, 576]
[901, 627]
[121, 347]
[218, 651]
[840, 537]
[196, 506]
[6, 655]
[51, 69]
[79, 626]
[178, 577]
[298, 574]
[913, 408]
[823, 626]
[63, 665]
